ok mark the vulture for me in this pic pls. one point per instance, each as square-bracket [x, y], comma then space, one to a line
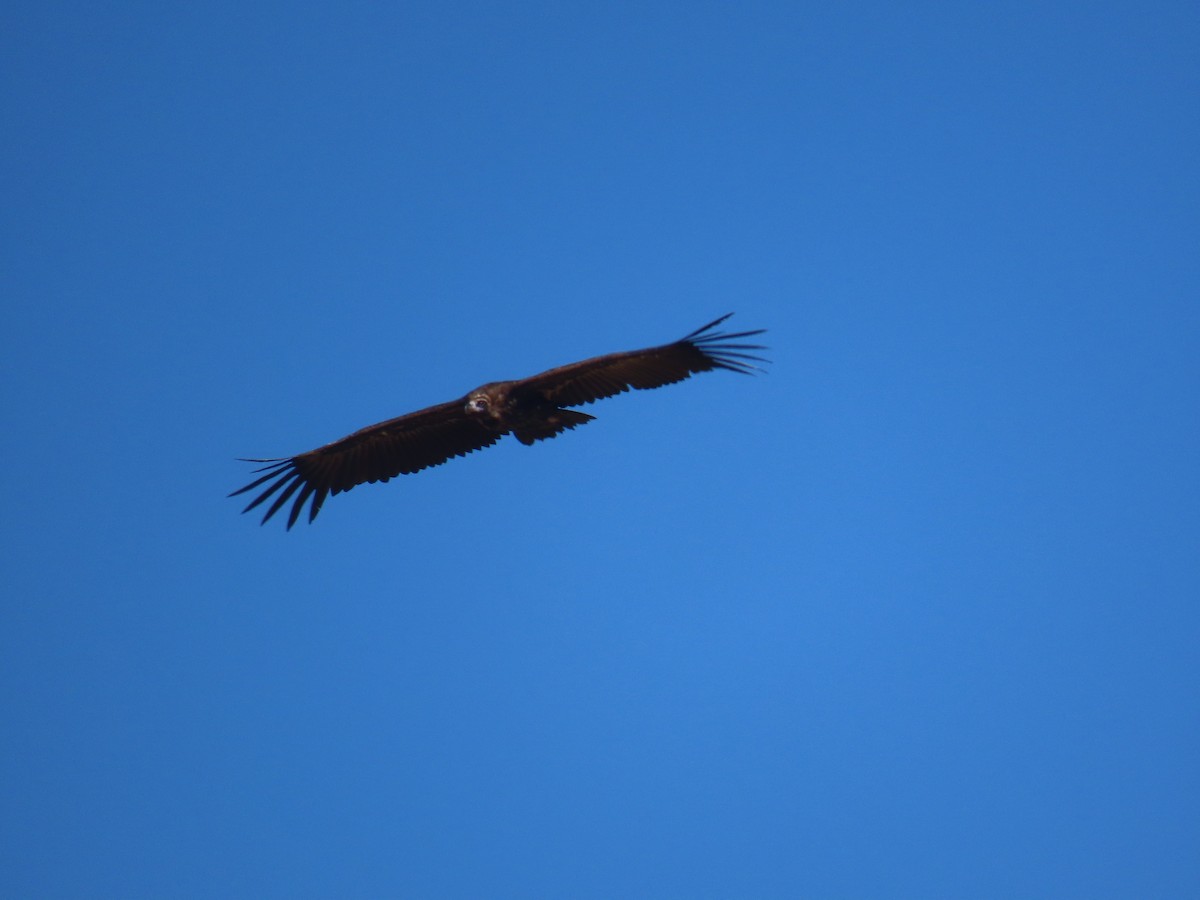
[531, 409]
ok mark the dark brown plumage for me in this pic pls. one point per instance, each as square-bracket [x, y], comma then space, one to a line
[531, 409]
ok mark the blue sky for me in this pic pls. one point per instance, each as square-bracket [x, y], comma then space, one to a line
[913, 615]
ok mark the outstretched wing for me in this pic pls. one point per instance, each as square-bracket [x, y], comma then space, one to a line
[398, 446]
[603, 376]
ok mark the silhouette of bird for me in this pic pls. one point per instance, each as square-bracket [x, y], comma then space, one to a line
[531, 409]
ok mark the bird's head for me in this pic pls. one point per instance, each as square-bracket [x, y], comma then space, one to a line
[485, 405]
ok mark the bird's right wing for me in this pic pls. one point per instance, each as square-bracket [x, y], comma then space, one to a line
[378, 452]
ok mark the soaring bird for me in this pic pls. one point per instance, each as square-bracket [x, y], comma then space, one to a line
[532, 409]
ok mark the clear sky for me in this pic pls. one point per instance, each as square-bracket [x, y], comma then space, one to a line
[916, 614]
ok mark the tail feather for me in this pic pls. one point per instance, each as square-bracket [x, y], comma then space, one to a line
[558, 421]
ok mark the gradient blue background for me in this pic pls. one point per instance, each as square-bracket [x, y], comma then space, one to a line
[914, 615]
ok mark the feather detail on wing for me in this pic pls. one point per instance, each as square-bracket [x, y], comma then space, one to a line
[603, 376]
[398, 446]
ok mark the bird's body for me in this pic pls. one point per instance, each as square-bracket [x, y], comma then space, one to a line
[531, 409]
[508, 406]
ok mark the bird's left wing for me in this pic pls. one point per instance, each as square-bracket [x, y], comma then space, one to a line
[398, 446]
[603, 376]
